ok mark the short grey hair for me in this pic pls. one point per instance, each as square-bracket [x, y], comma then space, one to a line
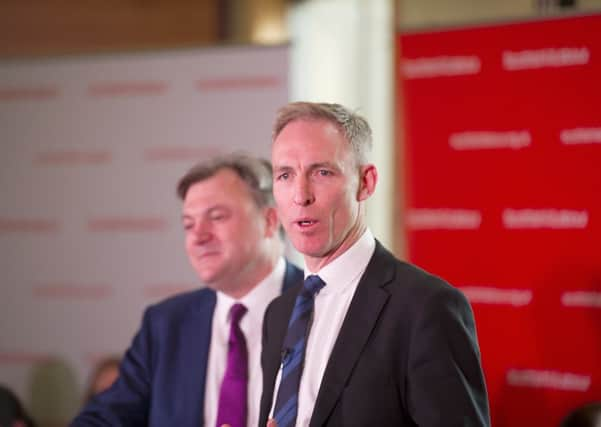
[254, 171]
[355, 128]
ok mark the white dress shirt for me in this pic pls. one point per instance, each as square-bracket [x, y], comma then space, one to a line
[256, 302]
[331, 304]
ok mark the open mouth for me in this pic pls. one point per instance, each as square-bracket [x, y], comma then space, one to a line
[306, 222]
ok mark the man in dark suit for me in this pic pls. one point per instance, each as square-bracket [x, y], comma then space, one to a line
[195, 360]
[368, 340]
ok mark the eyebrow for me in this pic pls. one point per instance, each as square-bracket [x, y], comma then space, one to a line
[312, 166]
[281, 168]
[185, 215]
[328, 165]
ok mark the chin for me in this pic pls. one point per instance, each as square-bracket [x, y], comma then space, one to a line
[207, 276]
[311, 249]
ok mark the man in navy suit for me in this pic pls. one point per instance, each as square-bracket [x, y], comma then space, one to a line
[385, 343]
[173, 371]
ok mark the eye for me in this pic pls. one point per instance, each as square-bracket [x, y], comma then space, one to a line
[324, 172]
[283, 176]
[218, 215]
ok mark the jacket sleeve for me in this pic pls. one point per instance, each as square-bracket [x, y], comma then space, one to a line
[126, 403]
[446, 384]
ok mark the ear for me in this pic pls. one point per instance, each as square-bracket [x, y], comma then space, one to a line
[368, 177]
[271, 221]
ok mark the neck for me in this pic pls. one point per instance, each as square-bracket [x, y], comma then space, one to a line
[252, 275]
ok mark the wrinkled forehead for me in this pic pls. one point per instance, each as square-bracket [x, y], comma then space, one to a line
[303, 133]
[313, 122]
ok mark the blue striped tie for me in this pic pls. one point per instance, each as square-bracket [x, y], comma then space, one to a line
[293, 353]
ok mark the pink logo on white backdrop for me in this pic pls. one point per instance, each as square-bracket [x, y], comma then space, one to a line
[90, 222]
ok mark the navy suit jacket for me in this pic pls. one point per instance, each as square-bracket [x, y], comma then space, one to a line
[406, 354]
[162, 375]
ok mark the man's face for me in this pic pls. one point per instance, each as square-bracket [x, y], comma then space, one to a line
[318, 189]
[225, 230]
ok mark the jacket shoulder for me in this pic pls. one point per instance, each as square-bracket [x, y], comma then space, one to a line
[182, 303]
[404, 276]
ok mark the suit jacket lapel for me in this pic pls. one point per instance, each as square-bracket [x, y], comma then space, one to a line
[293, 278]
[195, 356]
[365, 308]
[276, 323]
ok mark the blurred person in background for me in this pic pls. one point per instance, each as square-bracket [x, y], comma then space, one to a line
[584, 416]
[195, 360]
[12, 413]
[104, 375]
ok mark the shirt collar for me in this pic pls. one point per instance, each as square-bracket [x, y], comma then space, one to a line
[257, 299]
[347, 268]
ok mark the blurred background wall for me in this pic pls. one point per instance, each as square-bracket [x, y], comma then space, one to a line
[336, 50]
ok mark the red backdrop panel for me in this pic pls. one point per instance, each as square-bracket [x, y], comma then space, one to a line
[503, 173]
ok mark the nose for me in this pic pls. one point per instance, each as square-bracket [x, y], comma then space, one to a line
[303, 192]
[201, 232]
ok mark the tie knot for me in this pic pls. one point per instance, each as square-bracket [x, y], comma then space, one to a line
[312, 285]
[236, 312]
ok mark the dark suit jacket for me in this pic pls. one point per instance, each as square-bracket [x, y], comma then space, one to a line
[406, 354]
[162, 376]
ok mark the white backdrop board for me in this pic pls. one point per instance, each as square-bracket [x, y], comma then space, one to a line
[92, 149]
